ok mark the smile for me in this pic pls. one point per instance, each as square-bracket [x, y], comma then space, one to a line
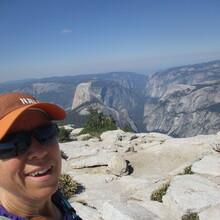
[40, 172]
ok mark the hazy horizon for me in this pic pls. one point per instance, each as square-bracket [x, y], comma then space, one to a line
[148, 73]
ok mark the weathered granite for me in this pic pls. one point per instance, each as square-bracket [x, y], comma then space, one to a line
[126, 211]
[117, 166]
[212, 213]
[191, 193]
[154, 160]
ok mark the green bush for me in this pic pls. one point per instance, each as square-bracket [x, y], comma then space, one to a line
[67, 185]
[97, 123]
[64, 134]
[187, 170]
[190, 216]
[160, 192]
[126, 128]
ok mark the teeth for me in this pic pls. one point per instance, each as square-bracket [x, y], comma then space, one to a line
[39, 172]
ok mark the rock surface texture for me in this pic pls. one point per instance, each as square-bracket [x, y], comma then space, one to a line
[119, 173]
[184, 101]
[186, 109]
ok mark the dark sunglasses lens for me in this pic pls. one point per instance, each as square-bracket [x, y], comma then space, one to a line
[17, 146]
[20, 143]
[47, 135]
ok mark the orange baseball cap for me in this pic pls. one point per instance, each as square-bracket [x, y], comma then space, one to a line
[13, 104]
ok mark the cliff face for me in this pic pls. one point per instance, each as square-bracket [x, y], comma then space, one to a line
[161, 81]
[119, 94]
[82, 95]
[110, 94]
[108, 97]
[186, 110]
[184, 101]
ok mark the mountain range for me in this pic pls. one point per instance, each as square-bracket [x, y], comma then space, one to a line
[181, 102]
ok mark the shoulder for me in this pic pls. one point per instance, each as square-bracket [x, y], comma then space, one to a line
[63, 204]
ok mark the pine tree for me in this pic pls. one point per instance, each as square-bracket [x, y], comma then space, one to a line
[98, 122]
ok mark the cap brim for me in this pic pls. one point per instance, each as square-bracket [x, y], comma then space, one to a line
[53, 111]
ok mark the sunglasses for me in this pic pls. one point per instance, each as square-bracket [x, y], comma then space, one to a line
[17, 144]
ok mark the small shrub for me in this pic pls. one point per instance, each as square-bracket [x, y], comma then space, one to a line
[64, 134]
[187, 170]
[126, 128]
[67, 185]
[190, 216]
[98, 123]
[162, 141]
[160, 192]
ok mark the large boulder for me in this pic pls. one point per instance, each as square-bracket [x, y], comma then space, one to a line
[117, 166]
[117, 135]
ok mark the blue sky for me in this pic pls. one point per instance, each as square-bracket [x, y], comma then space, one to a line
[43, 38]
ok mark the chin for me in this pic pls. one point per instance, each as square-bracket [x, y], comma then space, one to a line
[44, 193]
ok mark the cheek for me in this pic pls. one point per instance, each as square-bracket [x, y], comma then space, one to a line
[55, 155]
[10, 169]
[54, 151]
[10, 165]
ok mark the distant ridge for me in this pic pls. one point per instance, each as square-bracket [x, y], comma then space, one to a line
[19, 81]
[180, 101]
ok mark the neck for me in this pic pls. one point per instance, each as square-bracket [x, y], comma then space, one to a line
[34, 210]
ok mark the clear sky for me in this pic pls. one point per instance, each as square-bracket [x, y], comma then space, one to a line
[42, 38]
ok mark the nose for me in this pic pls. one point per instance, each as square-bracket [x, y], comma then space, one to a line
[36, 150]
